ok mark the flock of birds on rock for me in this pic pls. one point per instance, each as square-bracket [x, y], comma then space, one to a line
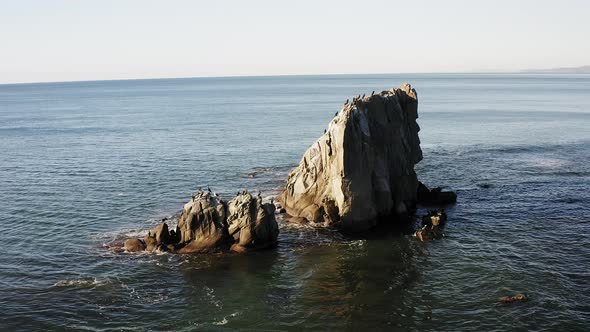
[200, 192]
[357, 98]
[208, 194]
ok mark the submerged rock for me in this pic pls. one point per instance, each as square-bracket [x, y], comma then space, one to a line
[134, 245]
[515, 298]
[362, 168]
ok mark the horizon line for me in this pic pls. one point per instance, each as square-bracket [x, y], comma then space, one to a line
[521, 71]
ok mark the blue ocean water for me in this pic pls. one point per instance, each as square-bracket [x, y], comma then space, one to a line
[85, 163]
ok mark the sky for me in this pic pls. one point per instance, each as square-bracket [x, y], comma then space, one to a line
[62, 40]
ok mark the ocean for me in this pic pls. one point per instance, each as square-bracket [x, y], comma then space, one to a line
[86, 163]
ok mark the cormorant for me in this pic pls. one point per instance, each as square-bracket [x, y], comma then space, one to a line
[363, 97]
[208, 189]
[372, 93]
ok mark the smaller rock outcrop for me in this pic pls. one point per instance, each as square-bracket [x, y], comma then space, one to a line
[432, 226]
[251, 223]
[202, 224]
[209, 224]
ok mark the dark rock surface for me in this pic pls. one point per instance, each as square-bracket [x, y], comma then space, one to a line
[435, 196]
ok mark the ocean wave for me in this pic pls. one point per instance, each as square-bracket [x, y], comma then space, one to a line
[88, 282]
[225, 319]
[455, 150]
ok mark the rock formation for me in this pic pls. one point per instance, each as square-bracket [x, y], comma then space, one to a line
[435, 196]
[360, 171]
[251, 224]
[432, 226]
[362, 168]
[209, 224]
[203, 224]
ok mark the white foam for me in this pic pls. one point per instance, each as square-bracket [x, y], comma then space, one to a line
[82, 282]
[547, 163]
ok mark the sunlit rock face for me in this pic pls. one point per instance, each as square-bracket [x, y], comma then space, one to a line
[251, 223]
[362, 168]
[202, 224]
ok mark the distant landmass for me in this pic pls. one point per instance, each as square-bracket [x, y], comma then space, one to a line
[563, 70]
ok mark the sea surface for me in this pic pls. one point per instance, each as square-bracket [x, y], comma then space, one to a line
[86, 163]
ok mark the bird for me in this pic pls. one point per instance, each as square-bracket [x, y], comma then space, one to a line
[259, 193]
[324, 131]
[208, 189]
[372, 93]
[346, 102]
[363, 96]
[336, 114]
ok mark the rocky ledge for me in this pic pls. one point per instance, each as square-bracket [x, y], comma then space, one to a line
[209, 224]
[362, 168]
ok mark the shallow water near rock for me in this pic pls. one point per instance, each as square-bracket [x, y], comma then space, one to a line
[87, 163]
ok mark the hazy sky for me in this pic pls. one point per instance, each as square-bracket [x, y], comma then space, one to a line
[84, 40]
